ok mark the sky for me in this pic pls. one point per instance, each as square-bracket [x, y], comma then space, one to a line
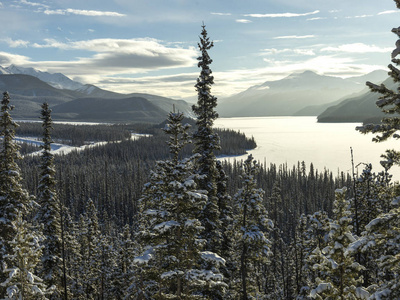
[150, 46]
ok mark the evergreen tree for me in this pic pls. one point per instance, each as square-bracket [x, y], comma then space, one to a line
[373, 193]
[389, 105]
[227, 228]
[108, 264]
[49, 213]
[73, 258]
[90, 251]
[275, 279]
[14, 200]
[380, 242]
[253, 228]
[171, 265]
[25, 254]
[302, 252]
[312, 238]
[206, 142]
[123, 271]
[339, 276]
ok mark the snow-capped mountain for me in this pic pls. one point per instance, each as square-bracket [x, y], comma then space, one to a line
[3, 71]
[57, 80]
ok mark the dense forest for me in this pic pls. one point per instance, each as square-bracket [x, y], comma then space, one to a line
[162, 218]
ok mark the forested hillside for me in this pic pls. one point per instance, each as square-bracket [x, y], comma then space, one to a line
[162, 218]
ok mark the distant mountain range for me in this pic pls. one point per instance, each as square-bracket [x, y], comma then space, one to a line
[330, 98]
[306, 94]
[73, 101]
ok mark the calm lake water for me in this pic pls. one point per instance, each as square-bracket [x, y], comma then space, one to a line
[326, 145]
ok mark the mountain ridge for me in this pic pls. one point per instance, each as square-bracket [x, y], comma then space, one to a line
[361, 108]
[29, 92]
[292, 95]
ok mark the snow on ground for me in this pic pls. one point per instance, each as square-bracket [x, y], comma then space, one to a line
[63, 149]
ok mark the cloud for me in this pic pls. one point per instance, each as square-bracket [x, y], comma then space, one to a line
[15, 43]
[274, 51]
[244, 21]
[35, 4]
[360, 16]
[114, 62]
[9, 58]
[294, 37]
[281, 15]
[91, 13]
[386, 12]
[118, 56]
[221, 14]
[357, 48]
[317, 18]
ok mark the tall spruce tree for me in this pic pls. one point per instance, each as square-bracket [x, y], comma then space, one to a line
[49, 214]
[253, 228]
[91, 252]
[171, 266]
[22, 283]
[382, 236]
[14, 200]
[206, 141]
[338, 272]
[389, 104]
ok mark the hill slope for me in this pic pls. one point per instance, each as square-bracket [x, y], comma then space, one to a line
[135, 109]
[356, 109]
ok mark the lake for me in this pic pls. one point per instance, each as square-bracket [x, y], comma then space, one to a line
[327, 145]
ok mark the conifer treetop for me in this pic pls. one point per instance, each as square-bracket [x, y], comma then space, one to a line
[206, 102]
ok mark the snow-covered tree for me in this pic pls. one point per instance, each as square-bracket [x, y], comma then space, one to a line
[49, 215]
[226, 246]
[302, 251]
[373, 194]
[14, 200]
[170, 266]
[253, 228]
[338, 272]
[382, 238]
[389, 104]
[108, 264]
[22, 283]
[73, 258]
[123, 271]
[275, 278]
[311, 236]
[89, 239]
[206, 141]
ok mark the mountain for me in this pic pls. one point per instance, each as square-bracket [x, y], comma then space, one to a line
[56, 80]
[377, 76]
[361, 108]
[88, 103]
[304, 93]
[29, 86]
[135, 109]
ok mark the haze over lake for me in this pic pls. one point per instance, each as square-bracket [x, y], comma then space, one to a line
[327, 145]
